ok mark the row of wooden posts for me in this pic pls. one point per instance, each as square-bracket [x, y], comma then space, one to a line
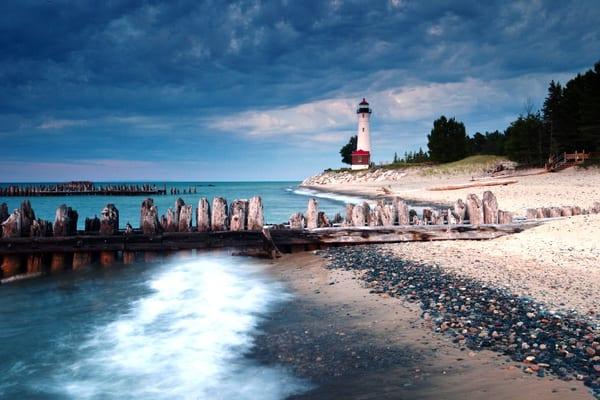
[396, 212]
[31, 246]
[22, 223]
[564, 211]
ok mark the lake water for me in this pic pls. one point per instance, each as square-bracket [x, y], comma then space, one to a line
[280, 200]
[172, 330]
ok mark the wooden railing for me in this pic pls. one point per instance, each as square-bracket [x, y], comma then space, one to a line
[564, 160]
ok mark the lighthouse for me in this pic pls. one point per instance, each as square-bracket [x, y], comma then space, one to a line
[362, 156]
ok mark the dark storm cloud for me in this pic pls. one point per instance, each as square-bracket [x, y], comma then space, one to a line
[95, 72]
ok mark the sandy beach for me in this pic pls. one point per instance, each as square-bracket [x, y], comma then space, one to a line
[360, 345]
[556, 263]
[571, 187]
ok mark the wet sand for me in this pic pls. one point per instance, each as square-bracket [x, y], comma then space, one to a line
[358, 345]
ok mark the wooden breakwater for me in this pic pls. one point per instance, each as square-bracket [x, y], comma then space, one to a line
[86, 188]
[33, 247]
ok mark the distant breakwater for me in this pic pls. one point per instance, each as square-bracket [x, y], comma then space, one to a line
[86, 188]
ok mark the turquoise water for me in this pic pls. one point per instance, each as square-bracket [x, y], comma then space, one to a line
[178, 329]
[280, 200]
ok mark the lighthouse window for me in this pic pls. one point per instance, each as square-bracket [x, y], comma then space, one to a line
[363, 129]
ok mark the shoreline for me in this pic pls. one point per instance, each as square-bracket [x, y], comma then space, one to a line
[380, 346]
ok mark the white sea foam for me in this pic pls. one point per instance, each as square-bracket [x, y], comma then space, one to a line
[186, 340]
[331, 196]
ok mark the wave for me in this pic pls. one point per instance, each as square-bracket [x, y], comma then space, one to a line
[342, 198]
[186, 340]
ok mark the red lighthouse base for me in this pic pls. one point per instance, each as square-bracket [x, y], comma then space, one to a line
[360, 159]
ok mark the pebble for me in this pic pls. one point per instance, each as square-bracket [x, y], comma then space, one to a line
[480, 317]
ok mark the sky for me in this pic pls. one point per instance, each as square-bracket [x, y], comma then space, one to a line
[265, 90]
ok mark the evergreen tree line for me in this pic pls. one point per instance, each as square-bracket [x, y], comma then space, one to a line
[411, 157]
[569, 121]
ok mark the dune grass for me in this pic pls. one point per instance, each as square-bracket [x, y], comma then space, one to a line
[470, 165]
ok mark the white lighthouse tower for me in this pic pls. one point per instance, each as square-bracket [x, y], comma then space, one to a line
[362, 156]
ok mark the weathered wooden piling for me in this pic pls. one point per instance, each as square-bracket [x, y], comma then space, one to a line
[348, 217]
[150, 225]
[426, 219]
[219, 220]
[36, 261]
[322, 220]
[65, 224]
[109, 225]
[359, 214]
[238, 215]
[312, 214]
[474, 209]
[256, 218]
[460, 209]
[297, 221]
[149, 218]
[402, 210]
[84, 258]
[27, 217]
[452, 217]
[203, 215]
[505, 217]
[490, 208]
[11, 228]
[185, 218]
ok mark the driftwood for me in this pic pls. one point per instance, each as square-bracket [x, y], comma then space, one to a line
[219, 221]
[256, 219]
[490, 208]
[238, 215]
[471, 185]
[203, 215]
[474, 209]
